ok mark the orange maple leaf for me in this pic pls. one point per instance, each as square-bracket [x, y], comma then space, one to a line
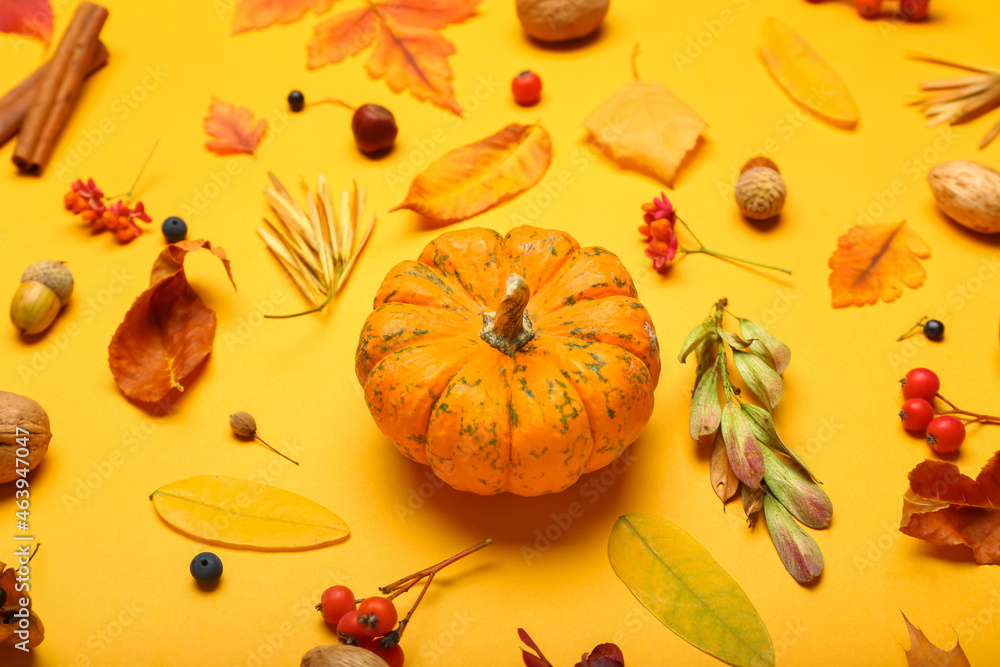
[260, 14]
[233, 129]
[943, 506]
[31, 18]
[409, 52]
[923, 653]
[871, 261]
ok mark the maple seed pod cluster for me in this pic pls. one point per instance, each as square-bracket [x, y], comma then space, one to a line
[46, 286]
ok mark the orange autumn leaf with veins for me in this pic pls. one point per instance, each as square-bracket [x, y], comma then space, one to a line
[922, 653]
[30, 18]
[260, 14]
[233, 129]
[943, 506]
[872, 262]
[167, 332]
[408, 51]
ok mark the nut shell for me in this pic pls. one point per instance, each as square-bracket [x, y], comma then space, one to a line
[969, 193]
[559, 20]
[760, 190]
[53, 275]
[33, 307]
[341, 655]
[16, 412]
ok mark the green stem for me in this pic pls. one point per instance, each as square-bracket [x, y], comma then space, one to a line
[314, 309]
[720, 255]
[128, 194]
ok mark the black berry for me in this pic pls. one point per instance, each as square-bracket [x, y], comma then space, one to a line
[174, 229]
[934, 329]
[296, 100]
[206, 567]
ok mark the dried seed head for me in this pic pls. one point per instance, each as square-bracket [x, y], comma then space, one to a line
[243, 424]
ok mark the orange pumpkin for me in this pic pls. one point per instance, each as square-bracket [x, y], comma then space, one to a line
[509, 364]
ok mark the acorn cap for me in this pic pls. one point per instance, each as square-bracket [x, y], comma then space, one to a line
[759, 161]
[53, 275]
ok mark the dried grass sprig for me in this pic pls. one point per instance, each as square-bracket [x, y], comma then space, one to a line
[964, 97]
[316, 247]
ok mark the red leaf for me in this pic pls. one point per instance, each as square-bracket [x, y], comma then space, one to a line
[260, 14]
[233, 129]
[943, 506]
[167, 332]
[30, 18]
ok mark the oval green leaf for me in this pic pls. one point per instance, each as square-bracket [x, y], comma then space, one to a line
[679, 582]
[705, 409]
[238, 513]
[760, 378]
[767, 347]
[701, 333]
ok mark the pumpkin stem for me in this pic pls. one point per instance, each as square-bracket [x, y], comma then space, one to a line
[509, 329]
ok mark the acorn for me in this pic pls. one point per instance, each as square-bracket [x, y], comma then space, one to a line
[46, 286]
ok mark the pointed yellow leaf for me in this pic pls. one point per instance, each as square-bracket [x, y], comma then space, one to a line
[805, 76]
[679, 582]
[473, 178]
[645, 127]
[238, 513]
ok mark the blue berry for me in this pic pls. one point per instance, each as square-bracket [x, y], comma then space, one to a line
[296, 100]
[174, 229]
[934, 329]
[206, 567]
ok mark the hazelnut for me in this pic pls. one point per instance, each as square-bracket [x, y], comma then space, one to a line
[24, 424]
[760, 190]
[374, 128]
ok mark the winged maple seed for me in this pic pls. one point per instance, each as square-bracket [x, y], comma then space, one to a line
[408, 51]
[318, 249]
[233, 129]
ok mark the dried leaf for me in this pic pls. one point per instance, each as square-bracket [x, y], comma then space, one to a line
[603, 655]
[679, 582]
[9, 623]
[646, 127]
[760, 378]
[167, 332]
[922, 653]
[471, 179]
[409, 52]
[798, 552]
[233, 129]
[872, 260]
[741, 446]
[753, 501]
[943, 506]
[805, 76]
[725, 483]
[238, 513]
[261, 14]
[30, 18]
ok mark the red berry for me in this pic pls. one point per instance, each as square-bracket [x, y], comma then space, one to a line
[921, 383]
[352, 632]
[378, 614]
[527, 88]
[393, 656]
[945, 434]
[916, 414]
[336, 601]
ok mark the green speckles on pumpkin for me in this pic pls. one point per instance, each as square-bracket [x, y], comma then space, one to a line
[619, 282]
[611, 413]
[596, 366]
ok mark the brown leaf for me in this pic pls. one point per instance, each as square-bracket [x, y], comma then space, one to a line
[260, 14]
[646, 127]
[725, 483]
[871, 261]
[233, 129]
[922, 653]
[471, 179]
[167, 332]
[943, 506]
[30, 18]
[409, 52]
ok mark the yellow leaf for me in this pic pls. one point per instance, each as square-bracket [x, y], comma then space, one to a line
[677, 580]
[805, 75]
[234, 512]
[471, 179]
[645, 127]
[872, 261]
[923, 653]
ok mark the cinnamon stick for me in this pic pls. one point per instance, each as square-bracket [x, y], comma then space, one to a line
[59, 88]
[15, 104]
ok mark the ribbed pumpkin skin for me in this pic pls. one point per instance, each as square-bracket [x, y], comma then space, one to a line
[568, 402]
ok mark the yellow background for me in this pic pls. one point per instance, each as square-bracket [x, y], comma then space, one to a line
[111, 580]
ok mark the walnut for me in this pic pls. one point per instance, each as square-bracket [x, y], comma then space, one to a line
[23, 425]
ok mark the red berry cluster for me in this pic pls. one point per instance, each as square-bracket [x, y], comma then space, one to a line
[945, 431]
[371, 622]
[87, 201]
[369, 625]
